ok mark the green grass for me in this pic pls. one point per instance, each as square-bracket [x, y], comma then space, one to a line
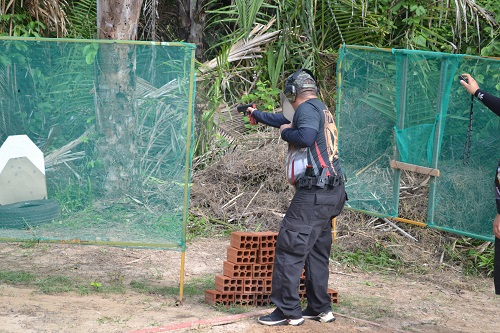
[194, 287]
[15, 278]
[376, 258]
[55, 284]
[29, 243]
[48, 285]
[61, 284]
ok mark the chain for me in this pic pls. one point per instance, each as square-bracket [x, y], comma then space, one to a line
[468, 139]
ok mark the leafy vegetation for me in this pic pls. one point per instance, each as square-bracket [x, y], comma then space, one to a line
[476, 257]
[472, 257]
[312, 31]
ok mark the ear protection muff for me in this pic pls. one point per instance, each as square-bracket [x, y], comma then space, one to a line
[290, 90]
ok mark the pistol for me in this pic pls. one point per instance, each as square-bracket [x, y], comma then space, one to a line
[243, 109]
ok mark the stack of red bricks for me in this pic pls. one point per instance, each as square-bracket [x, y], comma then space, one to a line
[247, 272]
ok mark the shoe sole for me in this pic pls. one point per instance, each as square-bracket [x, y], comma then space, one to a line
[317, 318]
[286, 322]
[327, 321]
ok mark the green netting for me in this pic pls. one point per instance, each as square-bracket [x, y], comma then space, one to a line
[408, 106]
[115, 122]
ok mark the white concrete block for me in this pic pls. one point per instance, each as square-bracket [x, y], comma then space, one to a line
[21, 146]
[22, 171]
[21, 180]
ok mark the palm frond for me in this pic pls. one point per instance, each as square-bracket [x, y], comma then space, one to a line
[82, 18]
[247, 14]
[65, 154]
[250, 48]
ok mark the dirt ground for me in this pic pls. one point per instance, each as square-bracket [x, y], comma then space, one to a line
[444, 301]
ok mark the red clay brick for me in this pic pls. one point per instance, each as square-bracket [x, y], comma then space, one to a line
[334, 295]
[268, 240]
[233, 270]
[268, 284]
[262, 271]
[262, 299]
[260, 286]
[214, 297]
[225, 283]
[265, 256]
[244, 299]
[248, 286]
[244, 240]
[255, 286]
[241, 256]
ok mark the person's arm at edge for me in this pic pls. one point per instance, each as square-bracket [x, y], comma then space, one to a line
[491, 102]
[472, 87]
[496, 225]
[270, 119]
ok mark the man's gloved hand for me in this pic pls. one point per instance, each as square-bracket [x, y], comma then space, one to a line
[247, 110]
[250, 110]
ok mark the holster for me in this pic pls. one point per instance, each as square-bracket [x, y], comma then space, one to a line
[308, 182]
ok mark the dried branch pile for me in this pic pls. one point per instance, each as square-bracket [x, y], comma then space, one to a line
[247, 187]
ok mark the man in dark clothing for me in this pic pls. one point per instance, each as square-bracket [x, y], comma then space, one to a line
[304, 239]
[493, 103]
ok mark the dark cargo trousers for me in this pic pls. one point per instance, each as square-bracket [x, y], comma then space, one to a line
[305, 240]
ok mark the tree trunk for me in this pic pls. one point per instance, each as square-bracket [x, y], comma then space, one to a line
[192, 23]
[117, 148]
[118, 19]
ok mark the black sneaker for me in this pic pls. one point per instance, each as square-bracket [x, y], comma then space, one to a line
[324, 317]
[277, 318]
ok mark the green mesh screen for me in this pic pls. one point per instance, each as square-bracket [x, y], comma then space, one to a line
[408, 107]
[115, 123]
